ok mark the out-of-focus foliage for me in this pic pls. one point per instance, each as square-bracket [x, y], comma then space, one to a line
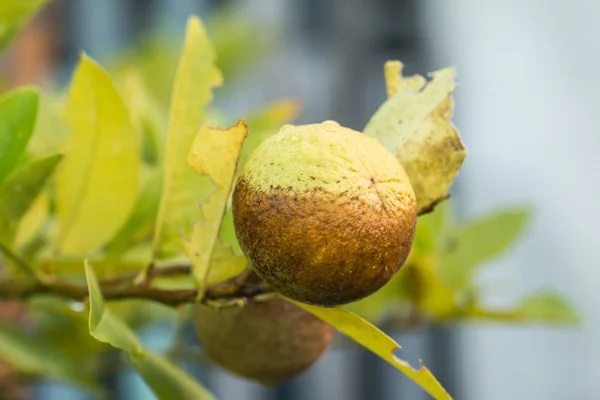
[165, 379]
[125, 173]
[13, 15]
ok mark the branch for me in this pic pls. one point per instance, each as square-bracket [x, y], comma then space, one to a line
[123, 288]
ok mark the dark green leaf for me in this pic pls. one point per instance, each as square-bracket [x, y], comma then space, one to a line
[479, 241]
[18, 111]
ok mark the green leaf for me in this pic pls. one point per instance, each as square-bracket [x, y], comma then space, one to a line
[165, 379]
[97, 186]
[104, 325]
[544, 307]
[480, 240]
[414, 124]
[30, 355]
[17, 261]
[215, 153]
[370, 337]
[13, 14]
[18, 111]
[183, 188]
[19, 192]
[31, 225]
[140, 224]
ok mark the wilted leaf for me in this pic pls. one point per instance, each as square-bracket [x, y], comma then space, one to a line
[18, 111]
[165, 379]
[414, 124]
[378, 342]
[13, 14]
[97, 186]
[28, 354]
[215, 153]
[544, 307]
[478, 241]
[19, 191]
[183, 188]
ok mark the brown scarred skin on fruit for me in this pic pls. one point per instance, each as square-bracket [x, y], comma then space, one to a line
[322, 248]
[268, 341]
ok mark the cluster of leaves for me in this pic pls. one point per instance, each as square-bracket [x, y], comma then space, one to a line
[101, 176]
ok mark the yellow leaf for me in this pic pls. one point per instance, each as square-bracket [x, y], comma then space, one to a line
[370, 337]
[33, 220]
[97, 185]
[184, 189]
[215, 153]
[415, 125]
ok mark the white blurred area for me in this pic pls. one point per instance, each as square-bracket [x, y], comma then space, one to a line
[527, 108]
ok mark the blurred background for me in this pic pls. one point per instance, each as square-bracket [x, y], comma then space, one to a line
[526, 109]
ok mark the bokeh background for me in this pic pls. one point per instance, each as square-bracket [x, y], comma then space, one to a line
[527, 111]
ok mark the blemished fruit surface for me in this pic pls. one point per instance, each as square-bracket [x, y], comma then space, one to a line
[325, 214]
[267, 341]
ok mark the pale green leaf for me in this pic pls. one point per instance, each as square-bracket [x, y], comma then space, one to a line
[183, 188]
[480, 240]
[13, 14]
[33, 221]
[97, 186]
[414, 124]
[19, 191]
[370, 337]
[544, 307]
[30, 355]
[167, 381]
[104, 325]
[215, 153]
[18, 112]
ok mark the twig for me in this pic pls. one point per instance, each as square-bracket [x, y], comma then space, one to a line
[124, 288]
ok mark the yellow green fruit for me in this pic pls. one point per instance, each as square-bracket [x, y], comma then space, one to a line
[267, 341]
[325, 214]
